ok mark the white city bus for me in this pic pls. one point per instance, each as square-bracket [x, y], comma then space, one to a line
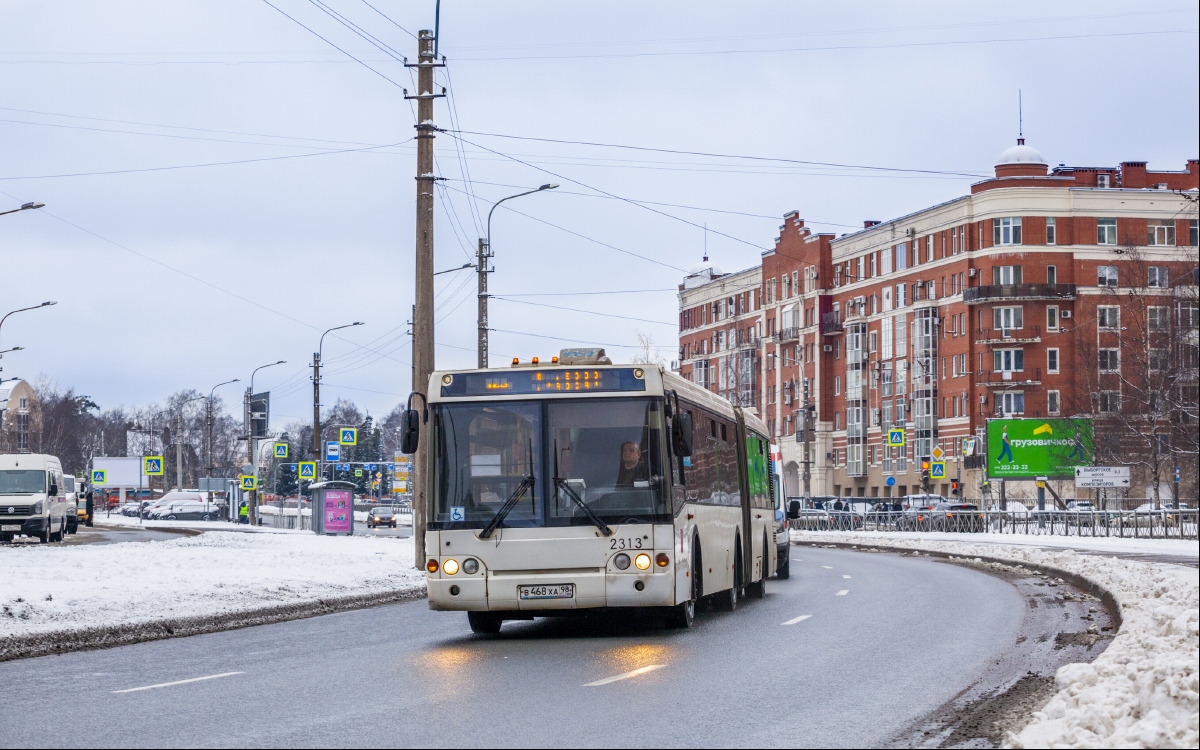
[582, 485]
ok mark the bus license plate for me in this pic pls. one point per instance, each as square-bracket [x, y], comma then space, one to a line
[552, 591]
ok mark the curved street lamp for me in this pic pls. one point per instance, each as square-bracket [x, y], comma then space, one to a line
[316, 445]
[23, 309]
[24, 207]
[485, 252]
[210, 429]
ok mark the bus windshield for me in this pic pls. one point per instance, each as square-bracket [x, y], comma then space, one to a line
[549, 458]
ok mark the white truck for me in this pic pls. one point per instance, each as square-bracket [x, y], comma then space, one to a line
[33, 500]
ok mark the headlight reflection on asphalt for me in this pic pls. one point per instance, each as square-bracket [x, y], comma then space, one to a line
[628, 658]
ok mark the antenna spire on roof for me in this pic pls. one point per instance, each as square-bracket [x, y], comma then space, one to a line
[1020, 120]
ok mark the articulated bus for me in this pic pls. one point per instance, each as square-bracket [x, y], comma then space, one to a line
[584, 485]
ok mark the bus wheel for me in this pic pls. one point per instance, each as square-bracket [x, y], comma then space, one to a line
[484, 623]
[758, 589]
[726, 600]
[681, 615]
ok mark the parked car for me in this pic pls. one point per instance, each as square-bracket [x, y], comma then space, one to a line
[917, 518]
[813, 519]
[161, 508]
[186, 511]
[957, 517]
[381, 515]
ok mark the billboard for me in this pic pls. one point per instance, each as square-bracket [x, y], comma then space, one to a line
[1028, 448]
[120, 471]
[338, 511]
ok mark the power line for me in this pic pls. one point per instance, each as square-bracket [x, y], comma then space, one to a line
[679, 152]
[363, 33]
[577, 294]
[589, 312]
[388, 19]
[208, 164]
[559, 338]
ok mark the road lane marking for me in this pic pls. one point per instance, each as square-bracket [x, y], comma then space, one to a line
[177, 682]
[827, 567]
[845, 576]
[795, 620]
[843, 592]
[626, 675]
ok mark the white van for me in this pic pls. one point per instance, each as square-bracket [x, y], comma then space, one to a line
[33, 499]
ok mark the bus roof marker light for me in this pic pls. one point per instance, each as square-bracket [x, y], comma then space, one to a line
[554, 360]
[516, 362]
[638, 373]
[535, 360]
[447, 379]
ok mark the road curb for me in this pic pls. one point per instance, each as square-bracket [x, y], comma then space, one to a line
[88, 639]
[1078, 581]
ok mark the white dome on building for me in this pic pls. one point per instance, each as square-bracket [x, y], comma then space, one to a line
[705, 266]
[1021, 154]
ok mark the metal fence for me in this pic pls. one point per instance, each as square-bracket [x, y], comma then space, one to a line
[1135, 524]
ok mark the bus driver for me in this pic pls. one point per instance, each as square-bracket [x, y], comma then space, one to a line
[633, 468]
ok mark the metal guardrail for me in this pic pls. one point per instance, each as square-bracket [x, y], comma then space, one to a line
[1167, 523]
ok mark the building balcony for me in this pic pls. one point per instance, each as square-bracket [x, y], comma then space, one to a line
[1009, 378]
[788, 334]
[1002, 292]
[1004, 336]
[831, 323]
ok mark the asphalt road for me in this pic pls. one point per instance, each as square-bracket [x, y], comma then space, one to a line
[848, 652]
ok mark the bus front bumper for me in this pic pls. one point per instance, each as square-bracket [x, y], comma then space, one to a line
[597, 588]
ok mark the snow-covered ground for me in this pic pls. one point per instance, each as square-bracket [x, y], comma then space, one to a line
[1117, 545]
[50, 588]
[1144, 690]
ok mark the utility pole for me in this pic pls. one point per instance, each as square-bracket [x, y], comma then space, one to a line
[482, 270]
[179, 449]
[316, 379]
[423, 352]
[807, 442]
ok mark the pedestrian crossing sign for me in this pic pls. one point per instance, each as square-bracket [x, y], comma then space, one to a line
[281, 450]
[358, 472]
[895, 438]
[937, 470]
[152, 466]
[99, 476]
[348, 436]
[308, 469]
[248, 482]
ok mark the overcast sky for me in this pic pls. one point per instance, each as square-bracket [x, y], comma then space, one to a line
[181, 278]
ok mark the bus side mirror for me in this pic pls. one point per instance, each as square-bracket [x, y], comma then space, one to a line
[793, 511]
[410, 431]
[681, 430]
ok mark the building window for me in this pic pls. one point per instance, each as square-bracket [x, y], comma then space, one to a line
[1052, 318]
[1110, 402]
[901, 256]
[1051, 275]
[837, 420]
[1052, 360]
[901, 293]
[1110, 360]
[1006, 275]
[1006, 231]
[837, 385]
[873, 341]
[929, 248]
[1051, 231]
[1011, 402]
[1187, 314]
[1106, 231]
[1156, 277]
[1193, 233]
[1004, 318]
[1158, 360]
[1160, 233]
[1108, 317]
[1106, 276]
[1053, 402]
[1158, 318]
[1008, 360]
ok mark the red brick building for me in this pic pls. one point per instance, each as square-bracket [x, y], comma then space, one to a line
[1014, 300]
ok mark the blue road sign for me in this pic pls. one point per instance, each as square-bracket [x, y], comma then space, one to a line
[281, 450]
[891, 482]
[349, 436]
[937, 470]
[308, 469]
[291, 467]
[895, 438]
[392, 467]
[372, 466]
[333, 451]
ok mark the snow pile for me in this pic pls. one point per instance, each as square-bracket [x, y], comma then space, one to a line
[1144, 690]
[49, 588]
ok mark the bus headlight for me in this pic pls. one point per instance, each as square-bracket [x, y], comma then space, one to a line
[642, 561]
[621, 561]
[450, 567]
[470, 566]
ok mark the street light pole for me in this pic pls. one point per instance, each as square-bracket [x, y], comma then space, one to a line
[25, 207]
[23, 309]
[179, 442]
[316, 378]
[249, 419]
[210, 438]
[485, 252]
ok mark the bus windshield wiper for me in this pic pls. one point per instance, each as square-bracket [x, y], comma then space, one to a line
[561, 483]
[509, 504]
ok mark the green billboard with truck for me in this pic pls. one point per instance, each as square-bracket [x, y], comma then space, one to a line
[1029, 448]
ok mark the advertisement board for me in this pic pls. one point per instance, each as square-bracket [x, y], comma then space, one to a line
[1028, 448]
[120, 471]
[338, 511]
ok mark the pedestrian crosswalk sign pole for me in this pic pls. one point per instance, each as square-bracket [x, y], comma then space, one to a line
[895, 438]
[348, 436]
[99, 477]
[281, 450]
[248, 483]
[308, 470]
[152, 466]
[937, 470]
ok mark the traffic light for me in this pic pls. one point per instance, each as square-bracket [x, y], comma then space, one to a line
[925, 474]
[954, 487]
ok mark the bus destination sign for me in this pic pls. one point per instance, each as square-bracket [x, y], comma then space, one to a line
[557, 380]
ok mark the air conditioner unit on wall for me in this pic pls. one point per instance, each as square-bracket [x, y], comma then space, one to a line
[971, 272]
[827, 348]
[1065, 314]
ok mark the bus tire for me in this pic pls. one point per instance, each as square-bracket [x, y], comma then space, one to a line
[484, 623]
[758, 589]
[726, 600]
[681, 615]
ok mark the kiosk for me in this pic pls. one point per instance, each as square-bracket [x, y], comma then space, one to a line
[333, 507]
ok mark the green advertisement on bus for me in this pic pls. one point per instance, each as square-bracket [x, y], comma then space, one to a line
[1028, 448]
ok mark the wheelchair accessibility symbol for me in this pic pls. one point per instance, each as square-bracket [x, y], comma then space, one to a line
[457, 514]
